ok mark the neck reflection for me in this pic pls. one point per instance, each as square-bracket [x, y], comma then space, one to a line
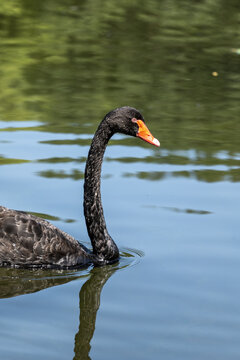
[89, 302]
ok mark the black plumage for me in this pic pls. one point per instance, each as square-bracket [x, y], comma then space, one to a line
[29, 241]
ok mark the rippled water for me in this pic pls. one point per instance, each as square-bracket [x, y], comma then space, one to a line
[173, 211]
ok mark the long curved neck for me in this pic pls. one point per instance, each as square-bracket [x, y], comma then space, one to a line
[104, 248]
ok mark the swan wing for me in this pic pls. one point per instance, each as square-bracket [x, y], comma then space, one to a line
[26, 240]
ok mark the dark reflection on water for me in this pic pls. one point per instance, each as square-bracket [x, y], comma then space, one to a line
[51, 217]
[186, 211]
[89, 297]
[210, 175]
[75, 174]
[15, 282]
[19, 282]
[4, 161]
[89, 302]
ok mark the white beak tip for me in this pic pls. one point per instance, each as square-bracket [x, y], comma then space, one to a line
[156, 142]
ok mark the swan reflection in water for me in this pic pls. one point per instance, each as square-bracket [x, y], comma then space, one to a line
[15, 282]
[89, 302]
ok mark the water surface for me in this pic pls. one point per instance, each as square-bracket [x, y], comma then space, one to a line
[173, 211]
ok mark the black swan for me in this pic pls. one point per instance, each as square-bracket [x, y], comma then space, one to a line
[29, 241]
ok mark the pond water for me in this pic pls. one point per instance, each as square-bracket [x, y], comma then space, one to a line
[173, 210]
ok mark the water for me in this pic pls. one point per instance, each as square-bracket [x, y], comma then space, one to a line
[173, 211]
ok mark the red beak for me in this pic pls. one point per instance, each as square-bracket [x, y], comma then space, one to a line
[145, 134]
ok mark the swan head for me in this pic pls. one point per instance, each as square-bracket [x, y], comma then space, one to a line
[129, 121]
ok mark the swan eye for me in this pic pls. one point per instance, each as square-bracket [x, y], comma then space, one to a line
[134, 120]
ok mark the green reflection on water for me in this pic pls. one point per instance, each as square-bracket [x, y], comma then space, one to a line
[74, 175]
[7, 161]
[68, 63]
